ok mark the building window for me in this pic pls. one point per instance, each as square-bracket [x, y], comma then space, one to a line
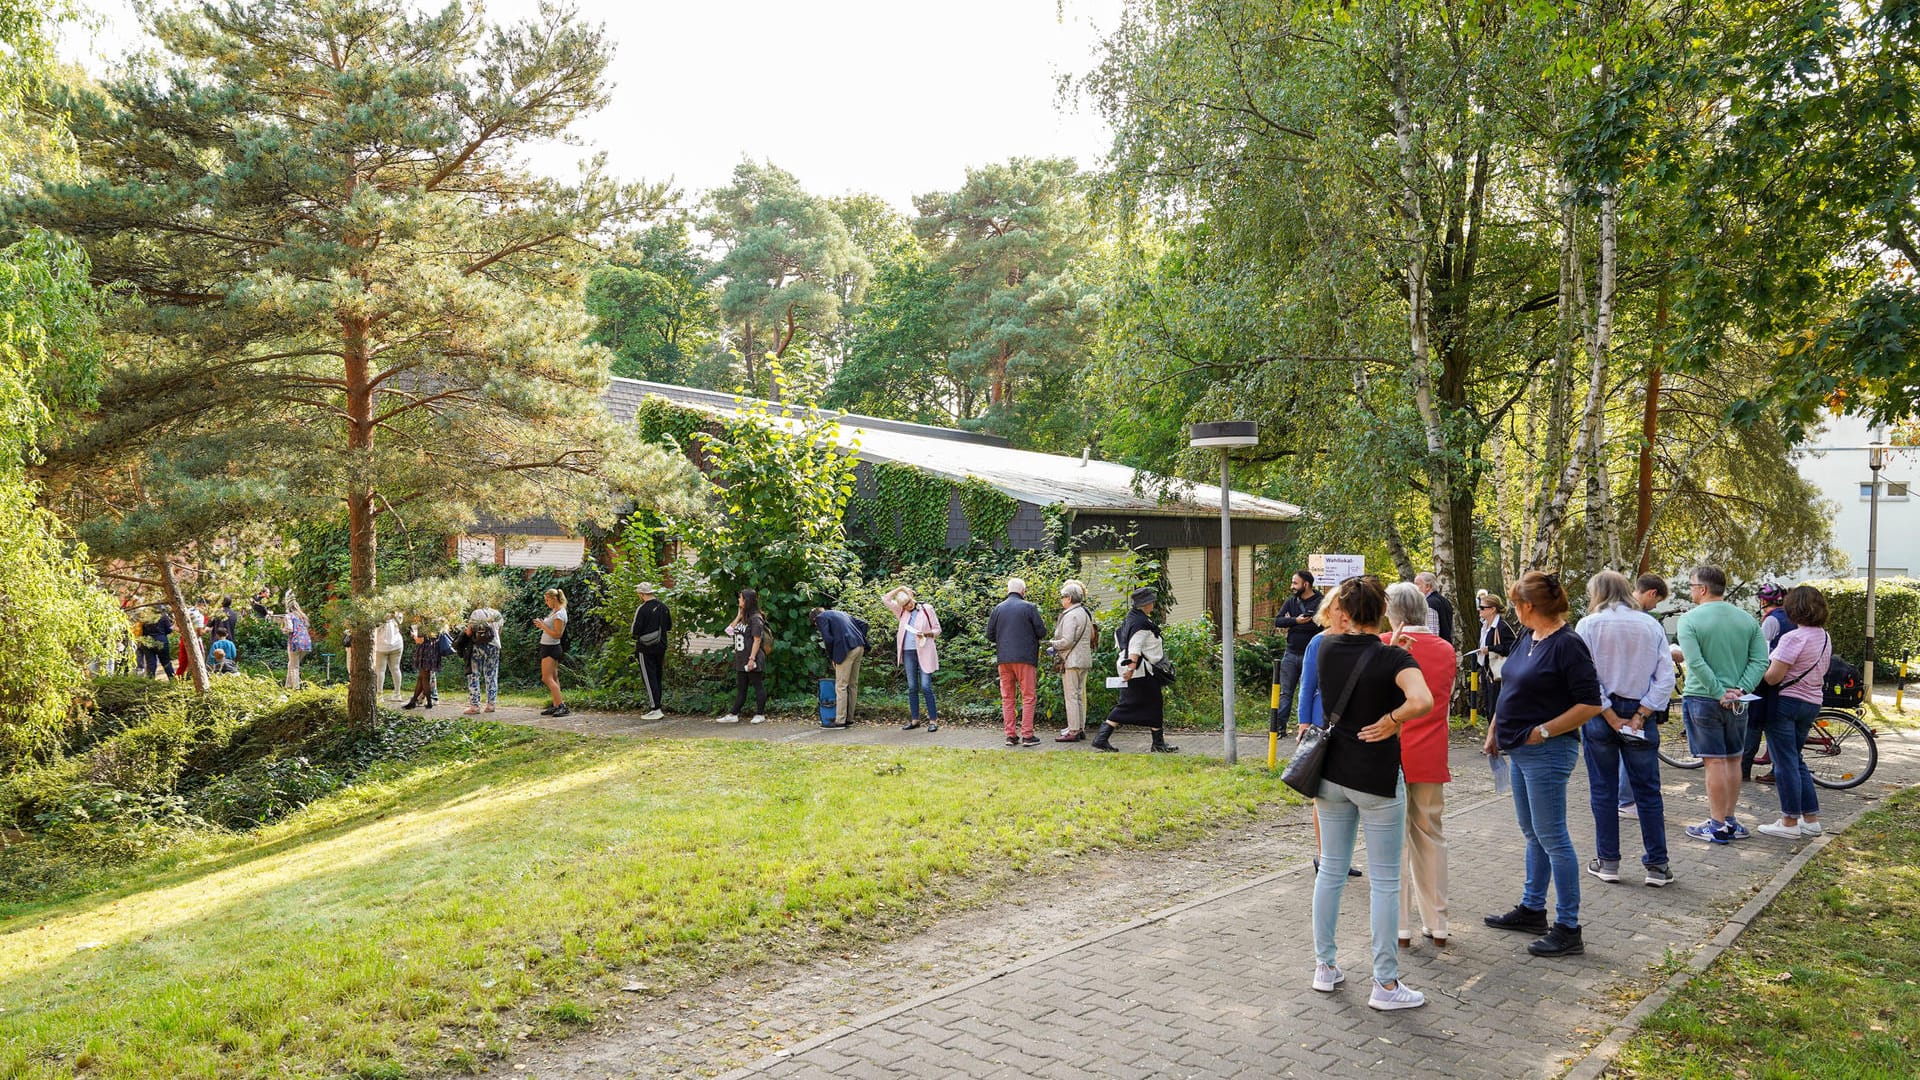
[1895, 490]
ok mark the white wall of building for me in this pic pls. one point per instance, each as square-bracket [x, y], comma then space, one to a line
[1835, 461]
[558, 552]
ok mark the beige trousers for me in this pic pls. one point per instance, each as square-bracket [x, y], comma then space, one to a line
[1423, 861]
[1073, 687]
[846, 685]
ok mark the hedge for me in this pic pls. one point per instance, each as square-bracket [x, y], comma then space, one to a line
[1896, 616]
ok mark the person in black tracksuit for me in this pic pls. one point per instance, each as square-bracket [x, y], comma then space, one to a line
[652, 625]
[1142, 702]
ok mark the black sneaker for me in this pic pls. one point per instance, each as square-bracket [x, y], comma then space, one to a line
[1012, 741]
[1031, 740]
[548, 711]
[910, 725]
[561, 711]
[1559, 941]
[1531, 920]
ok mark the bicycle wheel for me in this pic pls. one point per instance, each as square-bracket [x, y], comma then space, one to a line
[1679, 755]
[1840, 751]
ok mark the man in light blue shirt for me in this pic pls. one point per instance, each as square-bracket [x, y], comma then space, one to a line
[1635, 667]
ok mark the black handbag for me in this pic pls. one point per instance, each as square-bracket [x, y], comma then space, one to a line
[1309, 759]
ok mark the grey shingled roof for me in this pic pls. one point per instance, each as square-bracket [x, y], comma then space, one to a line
[1027, 475]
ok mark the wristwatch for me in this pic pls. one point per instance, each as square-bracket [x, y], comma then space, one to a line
[1544, 733]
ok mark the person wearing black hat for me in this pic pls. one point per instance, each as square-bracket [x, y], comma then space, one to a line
[1142, 664]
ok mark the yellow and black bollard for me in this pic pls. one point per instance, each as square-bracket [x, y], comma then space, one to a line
[1900, 695]
[1473, 698]
[1273, 721]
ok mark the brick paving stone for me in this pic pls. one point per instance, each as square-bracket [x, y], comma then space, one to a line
[1221, 990]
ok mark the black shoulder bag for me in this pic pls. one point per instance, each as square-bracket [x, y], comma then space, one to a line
[1309, 759]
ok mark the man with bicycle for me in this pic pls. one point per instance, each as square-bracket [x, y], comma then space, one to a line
[1725, 658]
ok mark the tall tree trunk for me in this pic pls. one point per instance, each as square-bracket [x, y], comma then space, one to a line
[1650, 431]
[997, 378]
[1419, 318]
[1599, 341]
[1397, 547]
[1503, 514]
[196, 660]
[361, 706]
[1554, 456]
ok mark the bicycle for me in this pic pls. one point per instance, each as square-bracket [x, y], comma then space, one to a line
[1841, 751]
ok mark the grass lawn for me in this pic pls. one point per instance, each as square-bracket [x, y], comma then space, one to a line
[425, 918]
[1825, 984]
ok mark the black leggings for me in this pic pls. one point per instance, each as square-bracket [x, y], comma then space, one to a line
[151, 659]
[740, 681]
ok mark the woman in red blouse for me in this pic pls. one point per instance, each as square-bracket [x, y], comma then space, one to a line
[1423, 761]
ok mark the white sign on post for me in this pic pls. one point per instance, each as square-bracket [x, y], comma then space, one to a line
[1331, 570]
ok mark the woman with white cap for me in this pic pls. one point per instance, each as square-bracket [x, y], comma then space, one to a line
[652, 624]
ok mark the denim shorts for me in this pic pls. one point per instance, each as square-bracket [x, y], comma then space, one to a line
[1713, 732]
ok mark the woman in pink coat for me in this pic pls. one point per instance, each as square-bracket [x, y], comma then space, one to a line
[914, 648]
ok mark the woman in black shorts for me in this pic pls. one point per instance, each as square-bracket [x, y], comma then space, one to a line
[551, 629]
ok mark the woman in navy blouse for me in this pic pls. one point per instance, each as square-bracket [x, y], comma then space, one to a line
[1549, 690]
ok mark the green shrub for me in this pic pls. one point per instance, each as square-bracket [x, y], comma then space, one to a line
[1896, 616]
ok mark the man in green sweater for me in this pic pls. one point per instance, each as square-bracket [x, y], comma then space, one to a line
[1726, 655]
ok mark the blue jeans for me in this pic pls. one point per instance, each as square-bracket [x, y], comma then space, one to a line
[919, 681]
[1609, 755]
[1788, 722]
[1289, 682]
[1540, 803]
[1342, 812]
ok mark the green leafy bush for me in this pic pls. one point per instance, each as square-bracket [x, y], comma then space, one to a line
[157, 763]
[1896, 616]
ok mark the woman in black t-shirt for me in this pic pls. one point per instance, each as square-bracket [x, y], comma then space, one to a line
[1551, 691]
[1368, 690]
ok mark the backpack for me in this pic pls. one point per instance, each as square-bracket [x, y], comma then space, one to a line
[446, 644]
[1842, 688]
[482, 634]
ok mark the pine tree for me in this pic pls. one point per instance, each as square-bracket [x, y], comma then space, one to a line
[346, 273]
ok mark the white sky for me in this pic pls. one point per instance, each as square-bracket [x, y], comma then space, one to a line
[896, 97]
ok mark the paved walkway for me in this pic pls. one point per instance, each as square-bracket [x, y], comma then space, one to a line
[1218, 987]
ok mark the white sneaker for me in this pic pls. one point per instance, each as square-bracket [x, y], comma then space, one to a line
[759, 719]
[1630, 810]
[1811, 828]
[654, 715]
[1785, 832]
[1326, 977]
[730, 718]
[1401, 996]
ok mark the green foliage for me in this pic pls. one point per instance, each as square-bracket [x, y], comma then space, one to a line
[905, 518]
[899, 341]
[653, 309]
[56, 618]
[587, 628]
[989, 511]
[616, 673]
[789, 264]
[781, 488]
[1896, 617]
[438, 600]
[153, 764]
[1004, 252]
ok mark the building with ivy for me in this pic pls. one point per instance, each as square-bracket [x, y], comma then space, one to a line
[922, 490]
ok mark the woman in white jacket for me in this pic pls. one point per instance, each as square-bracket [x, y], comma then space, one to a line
[915, 649]
[1142, 658]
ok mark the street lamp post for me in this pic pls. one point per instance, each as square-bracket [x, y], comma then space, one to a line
[1226, 435]
[1876, 460]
